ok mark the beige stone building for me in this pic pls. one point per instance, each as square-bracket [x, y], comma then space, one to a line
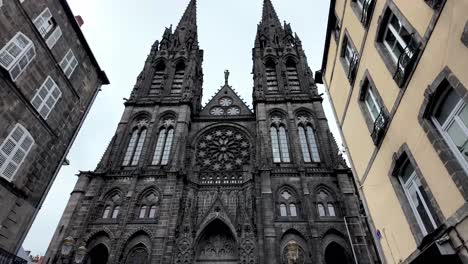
[397, 72]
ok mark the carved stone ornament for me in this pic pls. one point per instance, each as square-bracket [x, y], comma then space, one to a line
[223, 149]
[293, 253]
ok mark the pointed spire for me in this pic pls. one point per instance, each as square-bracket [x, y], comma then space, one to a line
[269, 13]
[190, 15]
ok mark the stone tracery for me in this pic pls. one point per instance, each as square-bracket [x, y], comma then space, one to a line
[223, 149]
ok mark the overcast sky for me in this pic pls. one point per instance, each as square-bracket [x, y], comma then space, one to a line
[121, 32]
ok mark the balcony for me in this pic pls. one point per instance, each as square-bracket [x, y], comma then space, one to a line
[380, 125]
[8, 258]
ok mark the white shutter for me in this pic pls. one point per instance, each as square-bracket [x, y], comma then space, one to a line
[54, 37]
[43, 22]
[13, 151]
[69, 63]
[46, 97]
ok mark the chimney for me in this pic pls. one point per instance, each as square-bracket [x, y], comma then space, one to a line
[79, 20]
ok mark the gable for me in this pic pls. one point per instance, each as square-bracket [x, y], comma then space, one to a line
[226, 103]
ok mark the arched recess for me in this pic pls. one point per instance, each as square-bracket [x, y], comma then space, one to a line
[147, 205]
[216, 244]
[99, 248]
[271, 75]
[294, 248]
[292, 75]
[288, 203]
[137, 249]
[336, 249]
[157, 84]
[179, 75]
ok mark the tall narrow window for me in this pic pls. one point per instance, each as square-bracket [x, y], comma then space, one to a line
[313, 144]
[158, 79]
[69, 63]
[135, 144]
[106, 213]
[139, 147]
[115, 213]
[371, 102]
[143, 212]
[292, 75]
[46, 97]
[275, 144]
[164, 144]
[131, 147]
[17, 54]
[418, 198]
[283, 142]
[321, 209]
[304, 145]
[349, 57]
[292, 208]
[271, 76]
[279, 141]
[14, 150]
[48, 28]
[283, 211]
[451, 119]
[331, 209]
[307, 139]
[396, 39]
[152, 212]
[178, 78]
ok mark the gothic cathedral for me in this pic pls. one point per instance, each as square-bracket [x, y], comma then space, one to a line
[220, 184]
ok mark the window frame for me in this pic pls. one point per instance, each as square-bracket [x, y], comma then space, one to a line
[18, 145]
[363, 12]
[452, 118]
[350, 65]
[28, 51]
[49, 94]
[400, 73]
[410, 188]
[66, 63]
[400, 158]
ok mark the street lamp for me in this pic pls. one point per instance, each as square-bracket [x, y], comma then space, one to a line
[80, 254]
[67, 247]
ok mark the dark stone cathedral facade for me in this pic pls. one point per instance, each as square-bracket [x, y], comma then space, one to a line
[221, 184]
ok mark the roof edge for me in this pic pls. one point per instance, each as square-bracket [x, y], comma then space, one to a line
[101, 74]
[328, 34]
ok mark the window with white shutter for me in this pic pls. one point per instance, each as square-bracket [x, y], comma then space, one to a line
[16, 55]
[14, 150]
[47, 26]
[46, 97]
[69, 63]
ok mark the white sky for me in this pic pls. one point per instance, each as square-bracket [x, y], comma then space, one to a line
[121, 32]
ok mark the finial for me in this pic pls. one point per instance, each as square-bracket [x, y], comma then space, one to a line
[226, 77]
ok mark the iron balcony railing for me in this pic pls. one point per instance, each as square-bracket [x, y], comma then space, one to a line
[366, 11]
[8, 258]
[380, 124]
[406, 61]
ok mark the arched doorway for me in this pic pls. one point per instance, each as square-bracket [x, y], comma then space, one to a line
[217, 245]
[138, 255]
[98, 255]
[335, 254]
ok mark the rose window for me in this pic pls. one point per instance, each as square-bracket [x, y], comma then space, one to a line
[223, 149]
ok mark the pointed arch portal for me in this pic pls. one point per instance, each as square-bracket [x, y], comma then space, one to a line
[98, 255]
[335, 254]
[217, 245]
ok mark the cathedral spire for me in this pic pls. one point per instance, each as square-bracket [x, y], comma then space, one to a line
[269, 13]
[189, 19]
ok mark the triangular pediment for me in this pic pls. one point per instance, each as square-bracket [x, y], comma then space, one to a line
[226, 103]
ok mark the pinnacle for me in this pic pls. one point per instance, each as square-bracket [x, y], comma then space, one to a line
[190, 14]
[269, 13]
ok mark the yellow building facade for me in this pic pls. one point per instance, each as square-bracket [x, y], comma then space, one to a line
[396, 72]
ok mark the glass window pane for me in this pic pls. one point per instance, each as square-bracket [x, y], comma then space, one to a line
[274, 144]
[321, 209]
[152, 213]
[459, 137]
[447, 106]
[464, 115]
[283, 141]
[304, 147]
[283, 210]
[406, 172]
[420, 210]
[159, 147]
[331, 209]
[292, 208]
[167, 147]
[106, 212]
[313, 144]
[115, 213]
[130, 148]
[142, 212]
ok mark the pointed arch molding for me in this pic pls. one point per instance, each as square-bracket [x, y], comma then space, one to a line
[138, 229]
[92, 234]
[212, 216]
